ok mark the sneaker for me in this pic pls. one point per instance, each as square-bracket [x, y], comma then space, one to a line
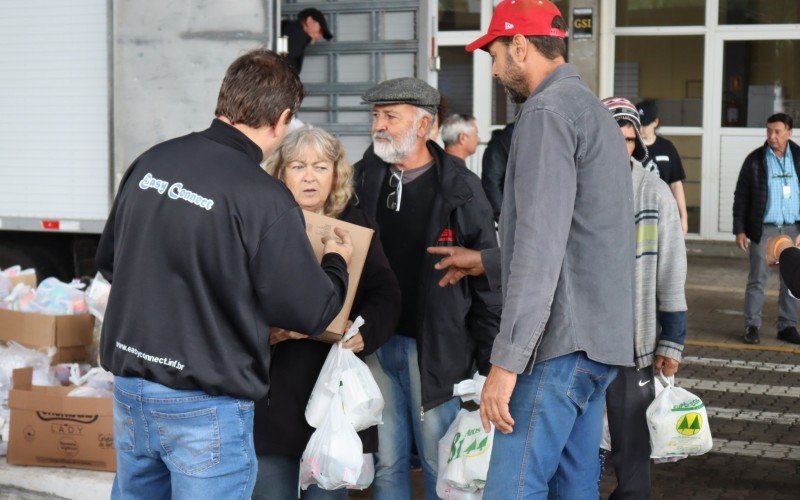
[789, 334]
[751, 335]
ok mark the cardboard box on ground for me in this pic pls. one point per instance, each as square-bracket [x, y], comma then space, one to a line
[50, 429]
[71, 335]
[28, 279]
[317, 227]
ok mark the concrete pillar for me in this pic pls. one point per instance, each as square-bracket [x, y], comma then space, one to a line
[584, 53]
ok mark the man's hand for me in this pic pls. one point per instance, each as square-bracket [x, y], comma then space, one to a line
[665, 365]
[342, 245]
[495, 398]
[279, 335]
[741, 241]
[459, 262]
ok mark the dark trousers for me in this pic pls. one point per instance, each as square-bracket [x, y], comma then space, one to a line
[627, 400]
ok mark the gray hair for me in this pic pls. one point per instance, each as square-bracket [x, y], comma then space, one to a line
[419, 114]
[456, 125]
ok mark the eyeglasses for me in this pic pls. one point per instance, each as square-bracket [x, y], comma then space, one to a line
[396, 196]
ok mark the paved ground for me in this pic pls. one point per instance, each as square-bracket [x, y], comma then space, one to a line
[752, 394]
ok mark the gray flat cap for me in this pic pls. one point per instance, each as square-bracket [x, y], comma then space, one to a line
[404, 91]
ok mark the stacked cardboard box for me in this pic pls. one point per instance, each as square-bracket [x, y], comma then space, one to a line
[50, 429]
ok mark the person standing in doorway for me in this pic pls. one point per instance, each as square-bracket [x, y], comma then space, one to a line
[310, 27]
[767, 203]
[663, 157]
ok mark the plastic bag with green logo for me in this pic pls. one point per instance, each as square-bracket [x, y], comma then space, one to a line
[678, 424]
[464, 454]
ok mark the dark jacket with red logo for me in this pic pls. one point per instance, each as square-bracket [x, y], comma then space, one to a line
[456, 324]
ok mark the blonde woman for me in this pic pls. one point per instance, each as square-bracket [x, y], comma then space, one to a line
[312, 164]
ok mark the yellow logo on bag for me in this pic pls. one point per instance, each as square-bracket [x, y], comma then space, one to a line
[689, 424]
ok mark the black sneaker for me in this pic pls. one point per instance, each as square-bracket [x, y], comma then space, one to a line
[789, 334]
[751, 335]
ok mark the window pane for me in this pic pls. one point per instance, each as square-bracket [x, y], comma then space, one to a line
[661, 12]
[668, 69]
[455, 79]
[455, 15]
[759, 80]
[759, 11]
[689, 149]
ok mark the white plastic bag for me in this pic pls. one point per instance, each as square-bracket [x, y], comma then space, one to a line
[96, 383]
[346, 375]
[56, 297]
[97, 296]
[467, 462]
[333, 457]
[470, 389]
[678, 424]
[443, 488]
[367, 474]
[5, 286]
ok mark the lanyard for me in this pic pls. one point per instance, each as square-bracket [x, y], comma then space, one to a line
[782, 162]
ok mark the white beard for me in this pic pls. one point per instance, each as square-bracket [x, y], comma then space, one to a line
[393, 150]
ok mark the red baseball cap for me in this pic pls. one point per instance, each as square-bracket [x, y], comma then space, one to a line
[520, 17]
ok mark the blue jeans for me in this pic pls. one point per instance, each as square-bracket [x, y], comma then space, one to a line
[396, 370]
[558, 420]
[279, 479]
[181, 444]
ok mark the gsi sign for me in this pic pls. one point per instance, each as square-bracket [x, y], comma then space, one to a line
[582, 23]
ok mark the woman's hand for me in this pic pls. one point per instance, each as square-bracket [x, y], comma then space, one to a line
[355, 344]
[279, 335]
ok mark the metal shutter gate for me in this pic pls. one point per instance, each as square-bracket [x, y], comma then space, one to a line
[373, 41]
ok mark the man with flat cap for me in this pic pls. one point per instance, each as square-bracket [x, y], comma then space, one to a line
[421, 196]
[309, 27]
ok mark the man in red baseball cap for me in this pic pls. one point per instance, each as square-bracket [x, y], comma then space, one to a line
[565, 265]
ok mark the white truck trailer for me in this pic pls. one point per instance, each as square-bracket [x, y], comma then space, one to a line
[88, 85]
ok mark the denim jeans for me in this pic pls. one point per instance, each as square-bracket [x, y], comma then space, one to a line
[558, 419]
[181, 444]
[396, 371]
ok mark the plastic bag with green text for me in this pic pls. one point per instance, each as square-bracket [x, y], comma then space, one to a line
[678, 424]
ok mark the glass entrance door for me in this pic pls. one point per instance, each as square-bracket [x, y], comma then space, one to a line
[756, 78]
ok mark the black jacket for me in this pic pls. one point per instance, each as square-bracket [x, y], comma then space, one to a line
[280, 427]
[790, 270]
[493, 173]
[298, 41]
[205, 251]
[456, 324]
[750, 197]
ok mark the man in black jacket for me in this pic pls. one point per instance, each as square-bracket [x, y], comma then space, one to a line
[420, 197]
[493, 173]
[767, 203]
[205, 252]
[309, 27]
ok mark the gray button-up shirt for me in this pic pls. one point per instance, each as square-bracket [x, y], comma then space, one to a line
[566, 258]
